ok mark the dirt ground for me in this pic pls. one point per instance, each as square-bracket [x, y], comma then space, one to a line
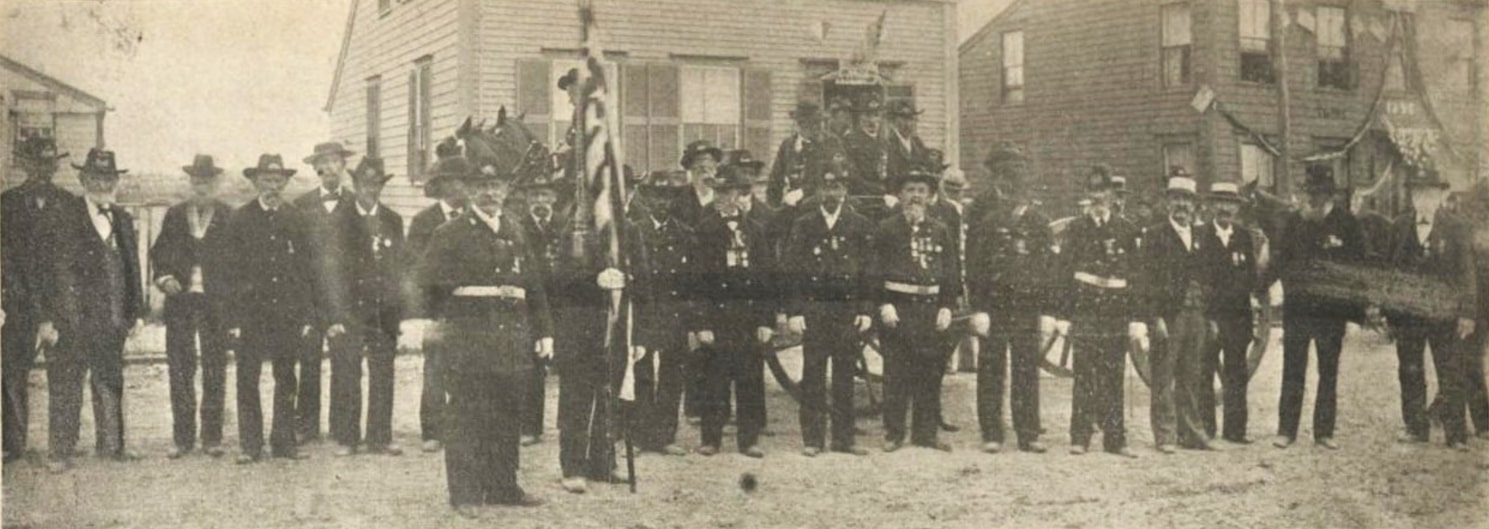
[1371, 482]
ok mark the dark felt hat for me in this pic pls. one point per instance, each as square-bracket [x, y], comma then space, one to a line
[700, 147]
[570, 77]
[903, 108]
[100, 162]
[371, 168]
[330, 148]
[37, 148]
[269, 164]
[1099, 178]
[731, 177]
[447, 148]
[839, 103]
[1320, 179]
[452, 168]
[202, 166]
[1426, 177]
[743, 158]
[806, 111]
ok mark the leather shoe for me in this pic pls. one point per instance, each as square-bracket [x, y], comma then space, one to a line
[387, 450]
[1459, 446]
[214, 451]
[753, 451]
[1327, 442]
[1238, 440]
[177, 453]
[1077, 450]
[429, 447]
[948, 427]
[1033, 447]
[523, 501]
[573, 485]
[852, 450]
[891, 446]
[811, 451]
[125, 456]
[1282, 441]
[940, 445]
[344, 450]
[673, 450]
[1410, 438]
[529, 440]
[992, 447]
[246, 459]
[293, 456]
[1166, 448]
[1123, 452]
[705, 450]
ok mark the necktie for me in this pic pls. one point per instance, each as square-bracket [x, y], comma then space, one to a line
[108, 219]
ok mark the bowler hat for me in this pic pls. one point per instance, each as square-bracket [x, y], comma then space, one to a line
[37, 148]
[1225, 191]
[202, 166]
[371, 168]
[1181, 185]
[1426, 177]
[700, 147]
[903, 108]
[731, 177]
[1320, 179]
[541, 182]
[100, 162]
[806, 111]
[269, 164]
[329, 148]
[743, 158]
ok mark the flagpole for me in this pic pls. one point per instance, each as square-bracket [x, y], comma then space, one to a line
[1284, 98]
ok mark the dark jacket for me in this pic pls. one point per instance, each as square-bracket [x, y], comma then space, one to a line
[77, 288]
[269, 263]
[869, 157]
[25, 248]
[1176, 278]
[922, 257]
[1097, 269]
[1335, 238]
[1009, 259]
[420, 231]
[748, 290]
[801, 169]
[1236, 276]
[369, 269]
[1446, 256]
[665, 279]
[176, 251]
[900, 159]
[321, 228]
[829, 264]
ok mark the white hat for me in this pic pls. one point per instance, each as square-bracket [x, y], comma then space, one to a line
[1182, 184]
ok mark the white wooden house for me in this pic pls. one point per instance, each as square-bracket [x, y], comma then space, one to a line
[37, 104]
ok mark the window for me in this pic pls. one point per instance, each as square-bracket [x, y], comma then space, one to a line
[420, 118]
[1460, 75]
[1257, 165]
[374, 115]
[1013, 67]
[711, 105]
[33, 115]
[1334, 69]
[1178, 38]
[1256, 40]
[1178, 154]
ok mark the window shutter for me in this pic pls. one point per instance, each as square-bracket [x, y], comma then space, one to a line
[757, 113]
[533, 96]
[426, 114]
[411, 159]
[664, 105]
[633, 94]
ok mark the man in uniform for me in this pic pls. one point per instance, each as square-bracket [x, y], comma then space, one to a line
[490, 314]
[546, 230]
[318, 208]
[1008, 252]
[916, 281]
[664, 263]
[447, 187]
[1433, 243]
[272, 299]
[905, 150]
[1320, 231]
[701, 160]
[734, 253]
[839, 117]
[869, 155]
[367, 313]
[802, 158]
[93, 302]
[1093, 291]
[825, 260]
[24, 211]
[1180, 276]
[1233, 251]
[187, 258]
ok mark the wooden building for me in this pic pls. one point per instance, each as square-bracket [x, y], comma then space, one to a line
[37, 104]
[1121, 82]
[410, 71]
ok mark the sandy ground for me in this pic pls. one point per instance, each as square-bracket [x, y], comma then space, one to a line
[1371, 482]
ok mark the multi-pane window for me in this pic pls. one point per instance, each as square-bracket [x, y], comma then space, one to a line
[1178, 39]
[1256, 166]
[1178, 155]
[711, 105]
[374, 115]
[1334, 69]
[1256, 40]
[33, 118]
[1013, 67]
[420, 116]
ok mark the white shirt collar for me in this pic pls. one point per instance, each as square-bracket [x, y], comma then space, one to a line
[491, 221]
[93, 206]
[447, 209]
[1179, 226]
[1224, 231]
[265, 205]
[831, 216]
[367, 212]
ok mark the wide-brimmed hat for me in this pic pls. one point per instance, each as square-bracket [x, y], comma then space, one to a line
[1181, 185]
[269, 164]
[731, 177]
[330, 148]
[920, 174]
[1118, 184]
[954, 180]
[1226, 191]
[1320, 179]
[1426, 178]
[902, 108]
[100, 162]
[570, 77]
[699, 147]
[37, 148]
[446, 148]
[371, 168]
[806, 111]
[1099, 178]
[202, 166]
[743, 158]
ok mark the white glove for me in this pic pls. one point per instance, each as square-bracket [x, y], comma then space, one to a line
[46, 334]
[793, 197]
[1046, 324]
[1160, 327]
[1465, 328]
[305, 331]
[545, 348]
[335, 330]
[1063, 327]
[889, 316]
[169, 285]
[796, 324]
[235, 332]
[943, 319]
[611, 279]
[637, 352]
[780, 319]
[981, 324]
[862, 323]
[705, 337]
[764, 334]
[891, 201]
[1137, 330]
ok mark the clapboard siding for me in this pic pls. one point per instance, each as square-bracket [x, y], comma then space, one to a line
[77, 124]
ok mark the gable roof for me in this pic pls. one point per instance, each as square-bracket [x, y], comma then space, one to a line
[346, 42]
[53, 83]
[981, 32]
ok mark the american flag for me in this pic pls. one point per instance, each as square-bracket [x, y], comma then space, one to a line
[601, 150]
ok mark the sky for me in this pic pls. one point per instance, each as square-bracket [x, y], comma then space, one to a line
[232, 78]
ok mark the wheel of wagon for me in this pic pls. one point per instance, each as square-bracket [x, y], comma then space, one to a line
[1056, 358]
[784, 360]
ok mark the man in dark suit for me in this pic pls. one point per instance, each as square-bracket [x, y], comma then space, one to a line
[272, 300]
[368, 308]
[825, 260]
[905, 149]
[869, 154]
[1179, 277]
[546, 230]
[701, 160]
[445, 184]
[1431, 242]
[187, 258]
[1233, 252]
[916, 282]
[27, 255]
[490, 313]
[92, 302]
[802, 158]
[318, 208]
[1320, 231]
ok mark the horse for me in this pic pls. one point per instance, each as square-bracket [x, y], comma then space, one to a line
[508, 148]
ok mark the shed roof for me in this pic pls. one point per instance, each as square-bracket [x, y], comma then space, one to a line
[53, 83]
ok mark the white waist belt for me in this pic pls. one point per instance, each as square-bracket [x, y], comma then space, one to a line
[503, 291]
[1098, 281]
[907, 288]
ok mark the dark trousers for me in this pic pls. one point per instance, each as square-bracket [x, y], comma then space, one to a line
[1179, 384]
[533, 402]
[735, 368]
[1100, 345]
[584, 443]
[1012, 345]
[312, 352]
[1475, 393]
[829, 338]
[1412, 338]
[379, 348]
[433, 397]
[1327, 335]
[695, 377]
[195, 334]
[481, 436]
[97, 354]
[1228, 357]
[18, 340]
[913, 366]
[280, 344]
[659, 394]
